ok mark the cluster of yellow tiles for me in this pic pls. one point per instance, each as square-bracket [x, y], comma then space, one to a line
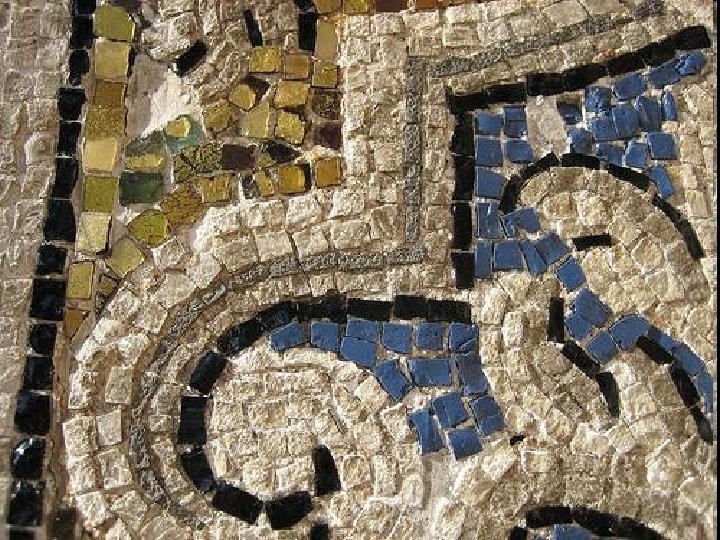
[104, 132]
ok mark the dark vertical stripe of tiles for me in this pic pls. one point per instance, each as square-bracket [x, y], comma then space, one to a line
[33, 407]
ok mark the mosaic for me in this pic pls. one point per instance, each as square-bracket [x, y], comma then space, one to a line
[396, 269]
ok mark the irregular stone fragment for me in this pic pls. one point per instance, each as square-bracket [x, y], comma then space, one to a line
[80, 280]
[183, 206]
[326, 104]
[149, 228]
[125, 257]
[92, 233]
[145, 163]
[242, 96]
[178, 128]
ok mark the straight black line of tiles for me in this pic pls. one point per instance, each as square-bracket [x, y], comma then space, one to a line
[589, 241]
[374, 310]
[572, 159]
[577, 78]
[464, 178]
[463, 263]
[448, 311]
[307, 30]
[462, 225]
[556, 320]
[332, 306]
[253, 28]
[408, 306]
[462, 142]
[610, 391]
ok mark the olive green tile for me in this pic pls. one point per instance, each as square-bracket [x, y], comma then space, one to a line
[328, 6]
[297, 66]
[265, 59]
[290, 127]
[92, 232]
[325, 74]
[99, 193]
[182, 206]
[146, 162]
[256, 123]
[292, 179]
[81, 276]
[264, 184]
[109, 93]
[100, 155]
[291, 94]
[111, 59]
[106, 285]
[218, 116]
[125, 257]
[216, 189]
[154, 143]
[326, 42]
[104, 122]
[72, 321]
[150, 228]
[203, 159]
[140, 187]
[328, 172]
[113, 22]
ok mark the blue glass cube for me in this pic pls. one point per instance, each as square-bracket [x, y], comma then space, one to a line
[581, 141]
[464, 442]
[488, 152]
[430, 371]
[430, 336]
[290, 335]
[392, 379]
[649, 113]
[602, 347]
[361, 352]
[449, 409]
[488, 183]
[507, 255]
[472, 378]
[397, 337]
[628, 329]
[660, 177]
[463, 337]
[591, 308]
[515, 121]
[570, 274]
[363, 329]
[662, 145]
[488, 124]
[690, 63]
[488, 220]
[535, 263]
[577, 327]
[518, 151]
[629, 86]
[598, 99]
[636, 155]
[603, 128]
[610, 153]
[626, 120]
[664, 75]
[551, 248]
[428, 432]
[483, 260]
[325, 335]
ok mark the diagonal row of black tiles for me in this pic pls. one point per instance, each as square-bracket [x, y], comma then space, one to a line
[34, 400]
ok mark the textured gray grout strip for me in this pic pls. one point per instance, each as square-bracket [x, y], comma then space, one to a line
[151, 480]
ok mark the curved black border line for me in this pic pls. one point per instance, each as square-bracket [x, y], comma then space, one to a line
[602, 524]
[211, 364]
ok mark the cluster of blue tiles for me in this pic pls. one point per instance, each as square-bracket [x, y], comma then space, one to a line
[587, 322]
[490, 150]
[438, 354]
[626, 111]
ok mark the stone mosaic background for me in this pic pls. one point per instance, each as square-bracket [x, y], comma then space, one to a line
[363, 269]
